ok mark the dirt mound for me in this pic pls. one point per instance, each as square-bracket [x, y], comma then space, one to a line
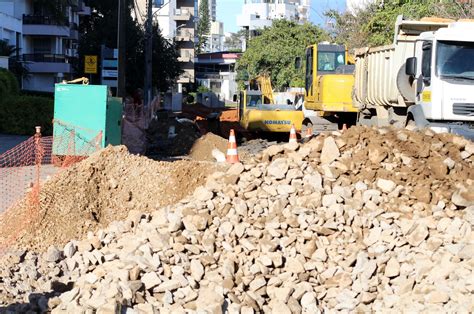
[99, 190]
[202, 148]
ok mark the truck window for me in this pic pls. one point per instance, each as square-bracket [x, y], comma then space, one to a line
[426, 60]
[455, 59]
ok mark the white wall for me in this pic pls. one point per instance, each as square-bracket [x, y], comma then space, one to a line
[4, 62]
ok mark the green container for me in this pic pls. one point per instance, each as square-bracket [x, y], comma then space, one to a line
[81, 113]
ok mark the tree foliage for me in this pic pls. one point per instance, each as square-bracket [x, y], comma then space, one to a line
[235, 40]
[100, 28]
[204, 25]
[374, 25]
[274, 52]
[19, 69]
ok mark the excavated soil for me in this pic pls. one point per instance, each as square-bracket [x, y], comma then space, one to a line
[202, 148]
[97, 191]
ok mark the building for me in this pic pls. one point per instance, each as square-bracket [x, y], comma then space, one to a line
[47, 45]
[176, 21]
[212, 9]
[216, 37]
[354, 5]
[217, 72]
[257, 14]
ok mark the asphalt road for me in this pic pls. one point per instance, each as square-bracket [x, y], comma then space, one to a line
[8, 141]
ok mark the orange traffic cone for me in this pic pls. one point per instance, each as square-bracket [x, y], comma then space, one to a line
[309, 132]
[293, 138]
[232, 155]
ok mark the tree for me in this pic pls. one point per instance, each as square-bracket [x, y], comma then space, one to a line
[18, 68]
[100, 28]
[235, 40]
[374, 25]
[274, 52]
[204, 25]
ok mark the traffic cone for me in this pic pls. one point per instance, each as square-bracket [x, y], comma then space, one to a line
[293, 138]
[309, 132]
[232, 155]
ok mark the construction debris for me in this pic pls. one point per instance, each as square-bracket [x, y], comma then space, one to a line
[99, 190]
[385, 222]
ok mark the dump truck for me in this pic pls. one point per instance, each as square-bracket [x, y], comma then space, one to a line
[258, 111]
[329, 81]
[425, 79]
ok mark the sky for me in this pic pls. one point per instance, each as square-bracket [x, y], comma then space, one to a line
[227, 11]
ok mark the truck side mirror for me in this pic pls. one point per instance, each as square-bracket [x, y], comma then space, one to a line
[297, 62]
[410, 66]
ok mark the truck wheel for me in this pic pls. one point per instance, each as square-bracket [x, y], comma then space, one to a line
[411, 125]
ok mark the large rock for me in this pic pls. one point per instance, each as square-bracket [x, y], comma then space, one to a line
[330, 151]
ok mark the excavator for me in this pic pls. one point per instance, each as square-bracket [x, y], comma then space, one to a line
[259, 112]
[329, 82]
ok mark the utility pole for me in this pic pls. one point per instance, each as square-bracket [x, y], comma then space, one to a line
[148, 55]
[121, 45]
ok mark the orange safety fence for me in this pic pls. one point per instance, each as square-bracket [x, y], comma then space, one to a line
[24, 167]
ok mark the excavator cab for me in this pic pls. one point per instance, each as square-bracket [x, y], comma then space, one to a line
[328, 79]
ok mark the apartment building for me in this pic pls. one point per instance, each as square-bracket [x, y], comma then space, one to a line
[257, 14]
[216, 38]
[217, 72]
[47, 44]
[176, 21]
[212, 9]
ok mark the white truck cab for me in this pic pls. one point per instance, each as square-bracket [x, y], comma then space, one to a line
[443, 70]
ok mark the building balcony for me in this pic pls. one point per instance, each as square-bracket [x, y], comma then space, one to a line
[46, 63]
[181, 15]
[186, 78]
[184, 35]
[45, 25]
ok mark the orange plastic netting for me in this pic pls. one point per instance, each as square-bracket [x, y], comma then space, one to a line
[25, 166]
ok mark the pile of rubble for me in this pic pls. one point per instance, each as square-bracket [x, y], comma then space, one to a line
[370, 220]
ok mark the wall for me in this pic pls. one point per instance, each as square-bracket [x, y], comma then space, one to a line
[4, 62]
[39, 82]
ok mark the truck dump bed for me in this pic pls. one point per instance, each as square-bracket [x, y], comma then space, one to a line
[380, 78]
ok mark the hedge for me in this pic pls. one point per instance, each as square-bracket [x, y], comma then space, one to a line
[8, 84]
[20, 114]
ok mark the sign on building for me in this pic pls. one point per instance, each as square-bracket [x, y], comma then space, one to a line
[90, 64]
[109, 62]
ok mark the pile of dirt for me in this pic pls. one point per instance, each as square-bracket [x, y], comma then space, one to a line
[99, 190]
[203, 147]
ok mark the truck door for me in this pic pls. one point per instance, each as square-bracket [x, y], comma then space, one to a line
[424, 96]
[310, 75]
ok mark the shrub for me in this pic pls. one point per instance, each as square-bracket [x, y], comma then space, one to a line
[8, 84]
[20, 114]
